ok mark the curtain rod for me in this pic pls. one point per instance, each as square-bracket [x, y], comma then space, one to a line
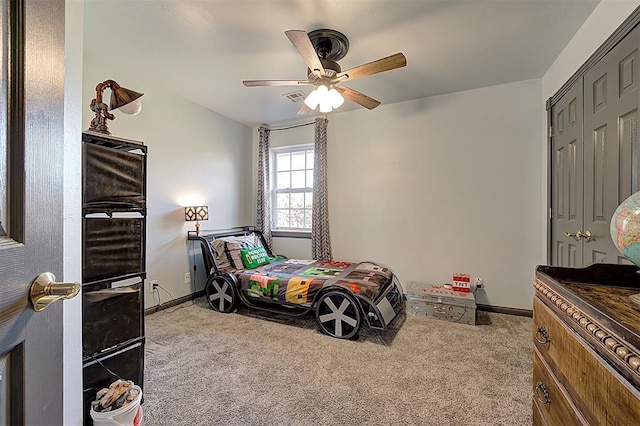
[290, 127]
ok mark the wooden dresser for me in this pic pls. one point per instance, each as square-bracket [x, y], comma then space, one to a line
[586, 337]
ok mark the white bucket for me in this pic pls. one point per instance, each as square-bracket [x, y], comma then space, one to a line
[124, 416]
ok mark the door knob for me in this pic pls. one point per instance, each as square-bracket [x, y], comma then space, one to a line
[586, 235]
[576, 235]
[45, 290]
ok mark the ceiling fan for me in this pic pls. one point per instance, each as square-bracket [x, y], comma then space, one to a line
[320, 50]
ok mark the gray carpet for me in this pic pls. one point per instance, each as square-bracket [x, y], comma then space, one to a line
[206, 368]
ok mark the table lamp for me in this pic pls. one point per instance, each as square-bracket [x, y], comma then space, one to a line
[196, 213]
[121, 98]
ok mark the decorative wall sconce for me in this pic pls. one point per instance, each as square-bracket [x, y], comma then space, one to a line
[196, 213]
[125, 99]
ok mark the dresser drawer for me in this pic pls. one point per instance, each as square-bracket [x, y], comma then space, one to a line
[538, 417]
[549, 397]
[601, 394]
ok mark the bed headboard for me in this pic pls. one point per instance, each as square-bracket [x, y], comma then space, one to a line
[207, 237]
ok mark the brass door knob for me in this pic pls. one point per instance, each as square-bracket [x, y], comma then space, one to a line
[586, 235]
[45, 290]
[578, 235]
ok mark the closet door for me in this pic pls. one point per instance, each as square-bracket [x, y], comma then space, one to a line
[610, 144]
[567, 175]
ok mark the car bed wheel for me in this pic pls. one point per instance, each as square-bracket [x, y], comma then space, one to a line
[338, 315]
[221, 295]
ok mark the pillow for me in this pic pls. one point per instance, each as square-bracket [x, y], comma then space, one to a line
[232, 253]
[254, 257]
[227, 250]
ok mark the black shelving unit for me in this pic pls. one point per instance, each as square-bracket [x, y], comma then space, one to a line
[114, 211]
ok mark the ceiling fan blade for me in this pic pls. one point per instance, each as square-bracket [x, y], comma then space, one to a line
[304, 109]
[300, 40]
[357, 97]
[255, 83]
[381, 65]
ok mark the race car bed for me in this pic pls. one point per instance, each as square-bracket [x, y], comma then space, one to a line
[344, 295]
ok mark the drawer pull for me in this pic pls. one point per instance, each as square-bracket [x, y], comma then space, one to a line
[545, 336]
[541, 389]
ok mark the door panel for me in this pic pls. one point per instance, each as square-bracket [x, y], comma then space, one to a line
[598, 173]
[567, 175]
[610, 143]
[32, 126]
[628, 155]
[598, 257]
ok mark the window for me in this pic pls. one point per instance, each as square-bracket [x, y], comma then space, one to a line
[293, 187]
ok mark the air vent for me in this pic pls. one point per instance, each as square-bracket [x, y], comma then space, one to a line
[295, 97]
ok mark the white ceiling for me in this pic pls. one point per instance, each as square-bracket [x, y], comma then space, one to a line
[205, 48]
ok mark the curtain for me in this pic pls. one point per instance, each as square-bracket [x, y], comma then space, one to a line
[320, 241]
[264, 196]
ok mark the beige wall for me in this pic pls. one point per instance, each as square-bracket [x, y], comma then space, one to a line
[602, 22]
[196, 157]
[496, 206]
[440, 185]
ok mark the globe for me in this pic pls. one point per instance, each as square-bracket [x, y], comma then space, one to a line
[625, 228]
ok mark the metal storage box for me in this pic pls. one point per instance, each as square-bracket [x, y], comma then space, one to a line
[436, 301]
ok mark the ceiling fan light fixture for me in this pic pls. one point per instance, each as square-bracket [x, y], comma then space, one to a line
[312, 100]
[335, 98]
[320, 51]
[325, 106]
[322, 91]
[327, 99]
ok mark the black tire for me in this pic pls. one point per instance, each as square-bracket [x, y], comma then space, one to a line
[337, 315]
[221, 294]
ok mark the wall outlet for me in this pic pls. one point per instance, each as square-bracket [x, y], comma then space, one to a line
[187, 278]
[153, 286]
[479, 283]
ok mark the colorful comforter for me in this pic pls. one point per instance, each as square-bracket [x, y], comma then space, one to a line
[295, 281]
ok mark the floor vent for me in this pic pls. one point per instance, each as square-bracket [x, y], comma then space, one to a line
[295, 97]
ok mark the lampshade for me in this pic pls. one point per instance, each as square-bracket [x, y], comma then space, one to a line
[195, 213]
[121, 96]
[328, 99]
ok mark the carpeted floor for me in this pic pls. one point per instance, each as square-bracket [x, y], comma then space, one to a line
[206, 368]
